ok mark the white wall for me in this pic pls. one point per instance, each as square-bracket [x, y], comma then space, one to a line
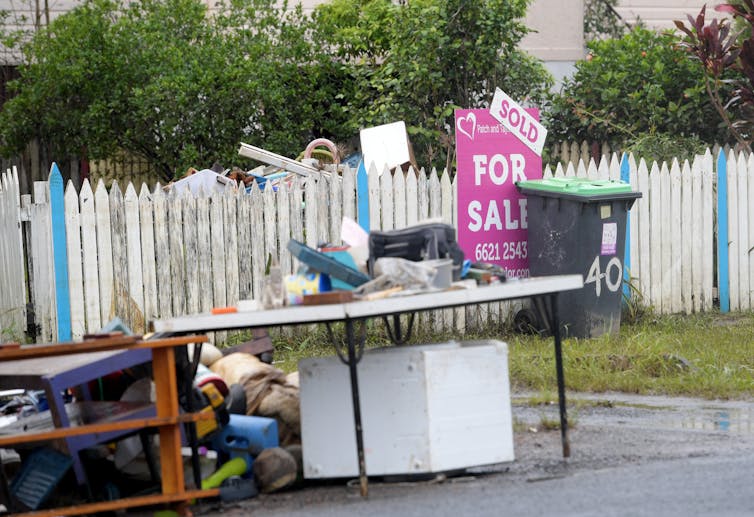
[659, 14]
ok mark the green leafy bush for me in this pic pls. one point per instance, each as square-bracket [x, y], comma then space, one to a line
[417, 61]
[638, 84]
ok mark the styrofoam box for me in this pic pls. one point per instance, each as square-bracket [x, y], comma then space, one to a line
[424, 408]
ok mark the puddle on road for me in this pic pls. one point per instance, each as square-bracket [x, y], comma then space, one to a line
[730, 420]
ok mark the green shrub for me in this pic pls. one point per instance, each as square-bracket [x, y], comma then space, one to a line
[642, 83]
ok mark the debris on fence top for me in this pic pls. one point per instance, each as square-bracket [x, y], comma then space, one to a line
[262, 155]
[207, 179]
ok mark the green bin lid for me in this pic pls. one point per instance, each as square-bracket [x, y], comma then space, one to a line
[585, 187]
[580, 190]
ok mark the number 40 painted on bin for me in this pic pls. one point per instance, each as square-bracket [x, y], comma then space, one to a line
[613, 275]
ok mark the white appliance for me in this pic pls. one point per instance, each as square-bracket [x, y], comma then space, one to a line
[425, 409]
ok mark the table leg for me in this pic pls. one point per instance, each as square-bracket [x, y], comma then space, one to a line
[352, 362]
[561, 376]
[171, 461]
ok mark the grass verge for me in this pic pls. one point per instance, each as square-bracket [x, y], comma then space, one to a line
[702, 355]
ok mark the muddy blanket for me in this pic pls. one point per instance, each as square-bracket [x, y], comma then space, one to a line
[269, 392]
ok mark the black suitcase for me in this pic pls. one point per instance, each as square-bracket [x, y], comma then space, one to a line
[421, 242]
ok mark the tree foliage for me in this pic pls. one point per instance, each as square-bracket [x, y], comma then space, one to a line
[417, 61]
[642, 83]
[170, 81]
[720, 50]
[182, 86]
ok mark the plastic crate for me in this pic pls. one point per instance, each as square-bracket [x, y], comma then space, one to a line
[39, 475]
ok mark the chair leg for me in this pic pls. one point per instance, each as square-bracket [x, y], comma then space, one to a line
[146, 445]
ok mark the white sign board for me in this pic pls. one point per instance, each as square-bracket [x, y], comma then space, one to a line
[516, 120]
[385, 146]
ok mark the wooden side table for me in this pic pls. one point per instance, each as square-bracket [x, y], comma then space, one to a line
[168, 418]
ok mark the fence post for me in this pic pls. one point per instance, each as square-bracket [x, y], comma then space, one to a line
[625, 175]
[362, 196]
[723, 291]
[60, 254]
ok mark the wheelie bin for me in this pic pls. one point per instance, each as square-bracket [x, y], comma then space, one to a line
[578, 225]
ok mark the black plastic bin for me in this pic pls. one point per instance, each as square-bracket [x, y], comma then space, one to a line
[578, 226]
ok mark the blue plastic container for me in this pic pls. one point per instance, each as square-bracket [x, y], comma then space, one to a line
[245, 437]
[39, 475]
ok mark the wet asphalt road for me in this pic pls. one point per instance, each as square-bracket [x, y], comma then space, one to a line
[631, 455]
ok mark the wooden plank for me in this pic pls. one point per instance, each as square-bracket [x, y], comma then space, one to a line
[675, 236]
[399, 199]
[120, 258]
[89, 256]
[634, 223]
[336, 209]
[60, 261]
[204, 251]
[258, 255]
[243, 229]
[665, 235]
[133, 256]
[283, 204]
[433, 189]
[323, 212]
[104, 252]
[148, 254]
[373, 192]
[731, 174]
[191, 245]
[742, 190]
[73, 251]
[655, 237]
[177, 260]
[310, 216]
[708, 239]
[613, 170]
[44, 285]
[122, 504]
[592, 171]
[230, 220]
[386, 200]
[217, 240]
[688, 240]
[581, 171]
[722, 232]
[162, 252]
[422, 195]
[446, 199]
[18, 249]
[696, 232]
[749, 259]
[171, 462]
[412, 198]
[105, 427]
[349, 193]
[362, 197]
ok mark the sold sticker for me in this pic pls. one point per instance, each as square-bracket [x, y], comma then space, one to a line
[516, 120]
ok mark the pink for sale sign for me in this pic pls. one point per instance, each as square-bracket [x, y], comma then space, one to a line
[492, 214]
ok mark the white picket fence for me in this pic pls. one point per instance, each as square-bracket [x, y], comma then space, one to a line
[153, 254]
[12, 279]
[672, 238]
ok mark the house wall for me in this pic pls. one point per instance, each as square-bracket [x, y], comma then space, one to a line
[658, 14]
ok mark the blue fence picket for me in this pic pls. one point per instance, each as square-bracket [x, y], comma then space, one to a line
[60, 254]
[625, 175]
[362, 196]
[722, 232]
